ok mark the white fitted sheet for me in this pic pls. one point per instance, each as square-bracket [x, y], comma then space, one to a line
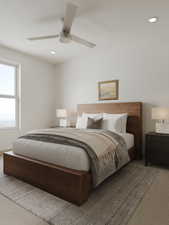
[58, 154]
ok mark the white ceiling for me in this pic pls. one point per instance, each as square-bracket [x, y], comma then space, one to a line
[98, 21]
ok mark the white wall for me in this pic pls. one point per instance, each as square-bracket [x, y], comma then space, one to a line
[38, 95]
[141, 67]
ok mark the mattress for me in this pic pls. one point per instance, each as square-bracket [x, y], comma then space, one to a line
[62, 155]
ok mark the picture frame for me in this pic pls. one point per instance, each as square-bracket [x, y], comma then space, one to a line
[108, 90]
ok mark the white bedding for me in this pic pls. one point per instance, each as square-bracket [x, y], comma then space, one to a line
[58, 154]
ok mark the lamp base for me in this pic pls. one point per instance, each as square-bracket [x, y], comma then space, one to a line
[63, 123]
[162, 128]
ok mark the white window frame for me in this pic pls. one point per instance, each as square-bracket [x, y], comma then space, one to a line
[16, 94]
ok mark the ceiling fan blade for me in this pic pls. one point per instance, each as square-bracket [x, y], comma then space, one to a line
[82, 41]
[69, 16]
[43, 37]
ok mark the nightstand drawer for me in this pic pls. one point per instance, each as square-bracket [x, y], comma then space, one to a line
[157, 149]
[158, 139]
[159, 156]
[159, 146]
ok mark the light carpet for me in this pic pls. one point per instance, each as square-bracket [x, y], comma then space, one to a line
[112, 203]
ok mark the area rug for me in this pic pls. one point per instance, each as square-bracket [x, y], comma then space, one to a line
[112, 203]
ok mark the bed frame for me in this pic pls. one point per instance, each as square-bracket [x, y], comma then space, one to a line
[72, 185]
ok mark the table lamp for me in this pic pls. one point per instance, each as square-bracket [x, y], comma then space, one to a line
[161, 115]
[62, 115]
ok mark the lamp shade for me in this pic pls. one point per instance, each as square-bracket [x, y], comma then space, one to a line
[159, 113]
[61, 113]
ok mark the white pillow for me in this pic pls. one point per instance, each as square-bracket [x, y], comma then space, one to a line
[81, 123]
[78, 122]
[92, 115]
[115, 122]
[112, 122]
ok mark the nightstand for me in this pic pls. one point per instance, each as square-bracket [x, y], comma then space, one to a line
[157, 149]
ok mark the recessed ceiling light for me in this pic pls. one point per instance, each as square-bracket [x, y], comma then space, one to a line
[53, 52]
[153, 19]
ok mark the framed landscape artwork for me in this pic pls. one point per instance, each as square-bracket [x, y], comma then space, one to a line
[108, 90]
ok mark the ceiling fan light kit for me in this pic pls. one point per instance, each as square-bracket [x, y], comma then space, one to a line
[65, 35]
[154, 19]
[53, 52]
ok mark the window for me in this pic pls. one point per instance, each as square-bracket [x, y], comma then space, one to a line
[8, 96]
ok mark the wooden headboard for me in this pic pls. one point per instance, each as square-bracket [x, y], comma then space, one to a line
[134, 122]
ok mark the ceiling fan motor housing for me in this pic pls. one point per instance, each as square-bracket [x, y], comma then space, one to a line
[65, 37]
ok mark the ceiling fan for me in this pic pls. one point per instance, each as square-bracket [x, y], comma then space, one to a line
[65, 35]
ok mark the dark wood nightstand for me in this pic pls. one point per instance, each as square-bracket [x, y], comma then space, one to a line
[157, 149]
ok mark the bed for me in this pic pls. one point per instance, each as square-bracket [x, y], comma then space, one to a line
[69, 179]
